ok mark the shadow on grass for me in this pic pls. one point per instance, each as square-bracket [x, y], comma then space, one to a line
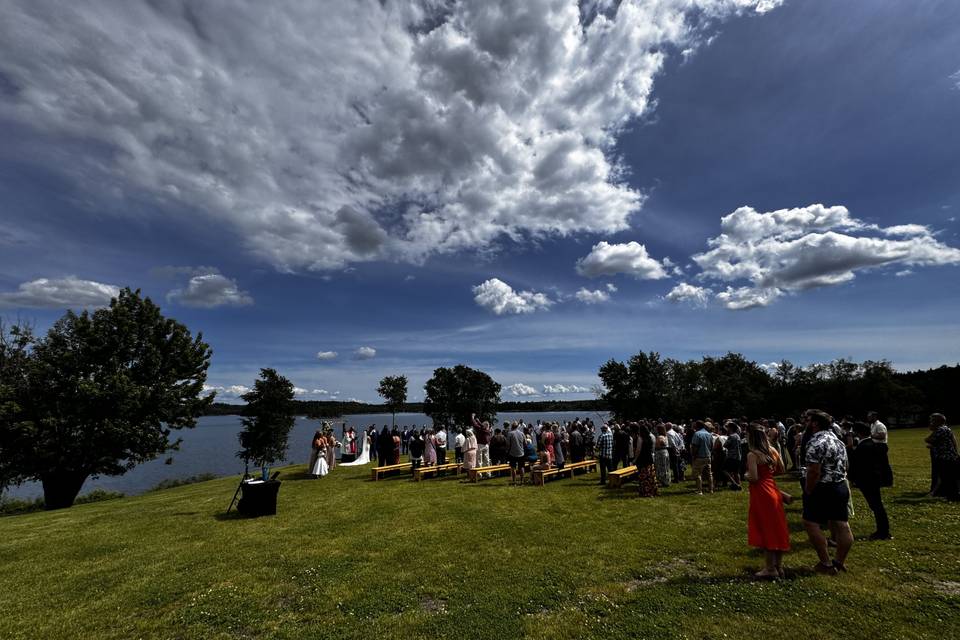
[226, 517]
[915, 497]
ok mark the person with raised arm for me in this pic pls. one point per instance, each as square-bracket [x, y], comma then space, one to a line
[483, 434]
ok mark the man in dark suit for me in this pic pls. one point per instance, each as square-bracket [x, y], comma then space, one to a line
[870, 470]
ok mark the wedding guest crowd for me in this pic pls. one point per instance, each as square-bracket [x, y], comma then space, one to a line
[828, 457]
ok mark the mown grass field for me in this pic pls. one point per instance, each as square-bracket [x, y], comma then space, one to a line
[349, 558]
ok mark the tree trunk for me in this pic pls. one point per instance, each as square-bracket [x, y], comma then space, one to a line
[60, 488]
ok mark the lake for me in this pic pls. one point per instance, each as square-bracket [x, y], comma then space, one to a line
[211, 447]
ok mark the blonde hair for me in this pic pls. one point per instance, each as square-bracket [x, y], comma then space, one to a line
[760, 445]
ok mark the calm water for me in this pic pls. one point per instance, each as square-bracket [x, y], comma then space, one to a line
[212, 446]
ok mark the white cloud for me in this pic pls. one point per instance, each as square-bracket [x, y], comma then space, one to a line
[498, 297]
[302, 128]
[564, 388]
[351, 399]
[320, 392]
[520, 389]
[300, 391]
[684, 292]
[59, 293]
[592, 297]
[210, 290]
[234, 390]
[364, 353]
[748, 297]
[326, 355]
[789, 250]
[607, 259]
[611, 287]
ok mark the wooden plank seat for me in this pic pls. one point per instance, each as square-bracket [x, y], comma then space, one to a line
[421, 472]
[474, 474]
[540, 475]
[376, 472]
[615, 479]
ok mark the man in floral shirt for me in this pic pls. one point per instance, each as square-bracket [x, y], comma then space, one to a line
[826, 493]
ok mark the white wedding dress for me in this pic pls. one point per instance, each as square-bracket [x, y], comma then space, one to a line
[364, 456]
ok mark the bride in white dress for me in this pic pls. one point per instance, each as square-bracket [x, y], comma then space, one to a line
[364, 456]
[318, 467]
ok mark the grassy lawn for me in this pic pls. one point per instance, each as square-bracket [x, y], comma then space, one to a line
[349, 558]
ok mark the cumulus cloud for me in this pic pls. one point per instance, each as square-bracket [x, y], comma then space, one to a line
[592, 297]
[748, 297]
[234, 390]
[692, 294]
[520, 389]
[326, 355]
[364, 353]
[210, 290]
[631, 258]
[564, 388]
[767, 255]
[300, 391]
[497, 296]
[328, 133]
[59, 293]
[320, 392]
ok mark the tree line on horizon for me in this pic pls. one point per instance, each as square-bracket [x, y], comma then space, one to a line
[650, 386]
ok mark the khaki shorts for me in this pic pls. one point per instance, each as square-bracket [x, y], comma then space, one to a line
[700, 465]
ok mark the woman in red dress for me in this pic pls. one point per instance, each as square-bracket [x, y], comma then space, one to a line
[767, 520]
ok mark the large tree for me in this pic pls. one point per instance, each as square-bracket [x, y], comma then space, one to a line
[393, 390]
[268, 419]
[100, 393]
[452, 394]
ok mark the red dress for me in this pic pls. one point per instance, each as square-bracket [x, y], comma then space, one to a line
[767, 521]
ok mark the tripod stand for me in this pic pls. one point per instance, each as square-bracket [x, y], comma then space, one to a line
[246, 470]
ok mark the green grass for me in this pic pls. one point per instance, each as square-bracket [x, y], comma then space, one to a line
[349, 558]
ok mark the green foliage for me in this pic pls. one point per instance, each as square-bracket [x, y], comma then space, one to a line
[452, 394]
[732, 386]
[393, 389]
[100, 393]
[268, 419]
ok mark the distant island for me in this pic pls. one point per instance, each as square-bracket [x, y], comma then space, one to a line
[333, 409]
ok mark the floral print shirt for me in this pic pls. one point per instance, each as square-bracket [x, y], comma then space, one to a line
[827, 450]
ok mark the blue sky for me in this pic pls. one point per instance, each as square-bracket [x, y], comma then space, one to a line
[528, 188]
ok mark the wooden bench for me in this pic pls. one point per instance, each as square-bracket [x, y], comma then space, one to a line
[540, 475]
[421, 472]
[474, 474]
[615, 479]
[376, 472]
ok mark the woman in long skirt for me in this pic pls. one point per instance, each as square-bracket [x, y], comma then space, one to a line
[331, 451]
[766, 519]
[470, 450]
[646, 472]
[429, 449]
[661, 457]
[396, 446]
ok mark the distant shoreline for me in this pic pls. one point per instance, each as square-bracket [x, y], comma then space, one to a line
[324, 409]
